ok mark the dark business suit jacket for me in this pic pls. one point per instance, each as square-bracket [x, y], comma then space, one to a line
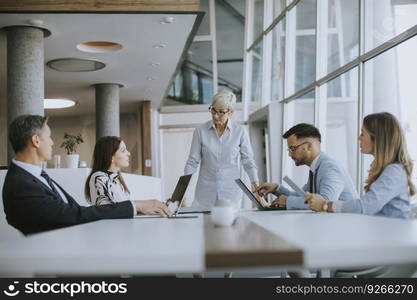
[32, 207]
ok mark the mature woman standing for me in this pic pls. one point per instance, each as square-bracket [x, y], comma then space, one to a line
[219, 146]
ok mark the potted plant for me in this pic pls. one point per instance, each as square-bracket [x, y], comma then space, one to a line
[70, 144]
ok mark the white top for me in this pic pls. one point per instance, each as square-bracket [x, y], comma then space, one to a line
[36, 171]
[105, 188]
[219, 159]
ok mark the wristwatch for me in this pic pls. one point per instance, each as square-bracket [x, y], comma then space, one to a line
[325, 206]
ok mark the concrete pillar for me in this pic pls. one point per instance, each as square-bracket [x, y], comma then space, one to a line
[25, 72]
[107, 109]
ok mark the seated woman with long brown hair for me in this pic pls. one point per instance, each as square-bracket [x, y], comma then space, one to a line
[105, 184]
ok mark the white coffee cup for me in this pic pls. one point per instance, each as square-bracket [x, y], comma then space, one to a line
[223, 215]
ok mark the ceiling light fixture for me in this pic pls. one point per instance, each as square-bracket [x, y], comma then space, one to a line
[58, 103]
[99, 47]
[150, 78]
[75, 65]
[157, 46]
[35, 22]
[167, 20]
[155, 64]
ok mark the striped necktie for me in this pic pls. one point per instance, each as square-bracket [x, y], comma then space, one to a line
[50, 182]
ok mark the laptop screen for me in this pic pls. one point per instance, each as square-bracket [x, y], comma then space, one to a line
[178, 194]
[248, 193]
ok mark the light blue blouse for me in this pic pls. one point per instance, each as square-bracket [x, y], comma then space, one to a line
[219, 159]
[388, 196]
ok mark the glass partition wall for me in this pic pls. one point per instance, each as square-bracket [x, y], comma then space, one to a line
[330, 63]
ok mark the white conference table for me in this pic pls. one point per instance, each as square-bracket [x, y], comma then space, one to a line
[274, 239]
[344, 240]
[109, 247]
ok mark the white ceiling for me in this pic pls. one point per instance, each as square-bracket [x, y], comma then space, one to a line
[130, 66]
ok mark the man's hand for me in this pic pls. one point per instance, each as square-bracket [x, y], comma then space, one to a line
[148, 207]
[266, 188]
[315, 201]
[262, 200]
[281, 201]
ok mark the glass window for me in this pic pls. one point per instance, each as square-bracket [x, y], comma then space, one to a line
[305, 44]
[194, 83]
[390, 86]
[341, 96]
[204, 28]
[298, 111]
[342, 33]
[259, 19]
[230, 25]
[206, 88]
[257, 73]
[176, 91]
[279, 6]
[200, 54]
[278, 59]
[385, 19]
[190, 84]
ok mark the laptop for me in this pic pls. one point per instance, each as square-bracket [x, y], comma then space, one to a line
[252, 197]
[177, 198]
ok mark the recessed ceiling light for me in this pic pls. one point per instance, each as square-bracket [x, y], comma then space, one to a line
[150, 78]
[155, 64]
[167, 20]
[57, 103]
[75, 65]
[159, 46]
[99, 47]
[35, 22]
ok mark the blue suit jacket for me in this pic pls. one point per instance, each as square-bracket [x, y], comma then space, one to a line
[331, 181]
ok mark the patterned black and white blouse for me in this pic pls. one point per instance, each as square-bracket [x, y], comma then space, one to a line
[105, 188]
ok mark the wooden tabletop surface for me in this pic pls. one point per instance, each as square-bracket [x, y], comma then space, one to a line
[246, 244]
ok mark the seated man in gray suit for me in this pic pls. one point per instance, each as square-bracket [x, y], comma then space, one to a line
[327, 177]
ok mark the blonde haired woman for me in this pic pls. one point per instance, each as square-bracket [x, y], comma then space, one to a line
[388, 187]
[218, 147]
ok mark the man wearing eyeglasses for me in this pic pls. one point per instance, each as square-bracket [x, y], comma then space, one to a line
[327, 177]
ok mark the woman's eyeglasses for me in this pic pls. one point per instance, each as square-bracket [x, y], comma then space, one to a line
[217, 112]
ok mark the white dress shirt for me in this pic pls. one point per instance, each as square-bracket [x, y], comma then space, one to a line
[313, 165]
[219, 159]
